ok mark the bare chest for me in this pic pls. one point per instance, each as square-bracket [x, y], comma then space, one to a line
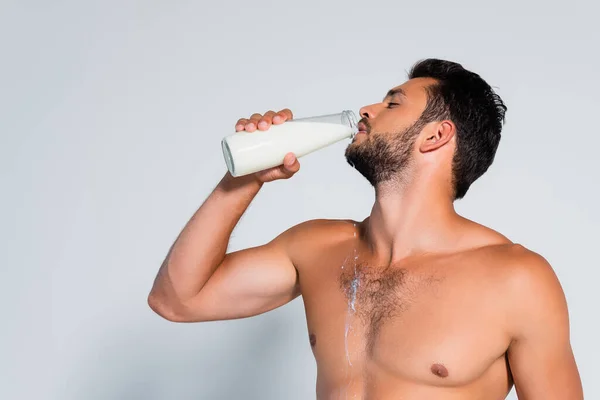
[437, 323]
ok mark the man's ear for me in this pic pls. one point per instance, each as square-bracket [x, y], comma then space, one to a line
[437, 136]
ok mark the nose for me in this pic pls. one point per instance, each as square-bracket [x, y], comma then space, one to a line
[367, 111]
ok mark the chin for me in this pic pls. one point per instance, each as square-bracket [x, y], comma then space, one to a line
[357, 143]
[359, 137]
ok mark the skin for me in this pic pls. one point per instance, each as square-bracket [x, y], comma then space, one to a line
[413, 302]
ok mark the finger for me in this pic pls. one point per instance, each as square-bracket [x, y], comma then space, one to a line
[265, 122]
[288, 168]
[282, 116]
[239, 126]
[253, 122]
[291, 165]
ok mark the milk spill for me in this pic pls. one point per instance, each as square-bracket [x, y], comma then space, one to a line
[351, 310]
[354, 285]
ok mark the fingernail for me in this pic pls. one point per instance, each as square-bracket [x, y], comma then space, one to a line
[250, 126]
[276, 118]
[262, 124]
[239, 127]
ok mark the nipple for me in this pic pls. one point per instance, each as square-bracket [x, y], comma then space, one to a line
[439, 370]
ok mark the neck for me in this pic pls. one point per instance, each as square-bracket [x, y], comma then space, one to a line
[412, 217]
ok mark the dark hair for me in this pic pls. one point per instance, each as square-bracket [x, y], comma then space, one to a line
[477, 111]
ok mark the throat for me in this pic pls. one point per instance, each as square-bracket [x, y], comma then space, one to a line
[399, 228]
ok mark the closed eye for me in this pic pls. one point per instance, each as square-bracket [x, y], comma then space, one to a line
[391, 105]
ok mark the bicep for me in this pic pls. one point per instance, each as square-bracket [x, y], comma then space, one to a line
[248, 282]
[540, 355]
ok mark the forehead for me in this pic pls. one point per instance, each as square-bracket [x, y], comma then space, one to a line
[413, 89]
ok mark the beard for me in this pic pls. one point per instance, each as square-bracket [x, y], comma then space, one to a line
[384, 157]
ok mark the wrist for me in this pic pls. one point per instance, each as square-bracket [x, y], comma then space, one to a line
[249, 182]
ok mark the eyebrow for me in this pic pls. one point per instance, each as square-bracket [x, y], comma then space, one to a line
[394, 92]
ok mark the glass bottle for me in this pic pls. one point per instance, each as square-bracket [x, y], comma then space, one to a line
[249, 152]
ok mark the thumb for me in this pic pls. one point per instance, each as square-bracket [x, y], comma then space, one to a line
[291, 165]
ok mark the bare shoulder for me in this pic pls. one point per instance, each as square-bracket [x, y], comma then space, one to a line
[519, 267]
[520, 272]
[531, 275]
[520, 264]
[317, 231]
[528, 282]
[324, 226]
[510, 259]
[318, 236]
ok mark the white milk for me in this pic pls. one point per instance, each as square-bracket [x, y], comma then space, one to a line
[249, 152]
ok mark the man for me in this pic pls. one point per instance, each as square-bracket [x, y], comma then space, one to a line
[414, 302]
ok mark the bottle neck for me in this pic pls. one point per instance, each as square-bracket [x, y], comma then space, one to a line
[349, 119]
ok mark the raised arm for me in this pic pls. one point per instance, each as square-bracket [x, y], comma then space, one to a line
[540, 355]
[198, 281]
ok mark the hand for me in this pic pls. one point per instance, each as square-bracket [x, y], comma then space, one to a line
[263, 122]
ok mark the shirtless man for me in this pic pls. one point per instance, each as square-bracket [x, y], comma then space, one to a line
[415, 301]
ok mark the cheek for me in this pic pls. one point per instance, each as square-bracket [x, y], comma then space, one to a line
[392, 122]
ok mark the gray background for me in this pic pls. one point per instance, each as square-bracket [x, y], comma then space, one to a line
[111, 115]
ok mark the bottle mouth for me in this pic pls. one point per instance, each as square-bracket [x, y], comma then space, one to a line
[349, 118]
[227, 156]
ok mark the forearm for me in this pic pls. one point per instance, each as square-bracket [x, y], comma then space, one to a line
[202, 244]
